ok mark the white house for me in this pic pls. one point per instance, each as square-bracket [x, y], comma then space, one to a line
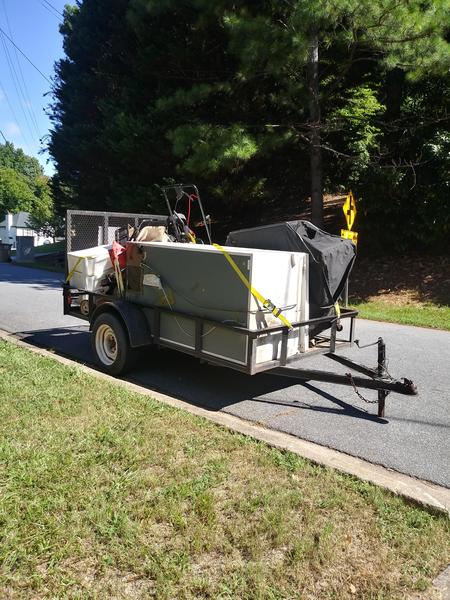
[16, 225]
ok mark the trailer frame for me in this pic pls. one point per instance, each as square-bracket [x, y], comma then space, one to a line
[90, 228]
[376, 378]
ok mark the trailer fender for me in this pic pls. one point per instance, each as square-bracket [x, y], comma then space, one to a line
[133, 318]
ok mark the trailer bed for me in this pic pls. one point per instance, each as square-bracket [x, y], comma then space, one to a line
[197, 330]
[121, 327]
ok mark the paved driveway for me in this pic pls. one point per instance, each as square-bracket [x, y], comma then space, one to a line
[413, 439]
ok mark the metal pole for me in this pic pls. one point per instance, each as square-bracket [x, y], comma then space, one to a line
[346, 294]
[105, 229]
[68, 237]
[381, 367]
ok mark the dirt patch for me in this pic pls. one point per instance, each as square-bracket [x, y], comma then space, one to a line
[401, 281]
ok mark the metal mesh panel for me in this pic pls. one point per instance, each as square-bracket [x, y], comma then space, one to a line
[86, 229]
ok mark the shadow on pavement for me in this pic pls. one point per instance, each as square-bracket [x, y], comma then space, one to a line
[346, 409]
[184, 377]
[34, 278]
[72, 342]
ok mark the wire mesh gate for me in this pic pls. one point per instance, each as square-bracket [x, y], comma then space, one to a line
[87, 229]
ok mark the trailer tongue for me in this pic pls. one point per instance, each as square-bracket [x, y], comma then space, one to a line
[241, 306]
[377, 378]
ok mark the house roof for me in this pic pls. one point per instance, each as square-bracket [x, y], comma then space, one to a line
[20, 219]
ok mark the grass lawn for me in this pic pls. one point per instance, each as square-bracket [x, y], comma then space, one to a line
[413, 290]
[422, 315]
[45, 248]
[48, 264]
[108, 494]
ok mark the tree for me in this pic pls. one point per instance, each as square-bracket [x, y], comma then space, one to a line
[406, 191]
[15, 192]
[281, 44]
[43, 218]
[234, 96]
[24, 187]
[16, 159]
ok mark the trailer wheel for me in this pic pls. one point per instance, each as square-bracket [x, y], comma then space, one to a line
[111, 347]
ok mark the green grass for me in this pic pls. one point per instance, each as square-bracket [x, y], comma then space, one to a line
[106, 493]
[45, 248]
[48, 265]
[424, 315]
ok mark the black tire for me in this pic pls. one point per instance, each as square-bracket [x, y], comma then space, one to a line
[111, 346]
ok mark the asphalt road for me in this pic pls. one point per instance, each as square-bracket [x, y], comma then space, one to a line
[413, 439]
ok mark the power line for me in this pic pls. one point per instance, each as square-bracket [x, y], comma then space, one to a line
[26, 57]
[21, 79]
[24, 84]
[3, 136]
[13, 112]
[53, 7]
[50, 11]
[14, 79]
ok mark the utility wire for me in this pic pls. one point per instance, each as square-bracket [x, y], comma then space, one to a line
[21, 79]
[15, 81]
[3, 136]
[53, 7]
[20, 88]
[50, 11]
[26, 57]
[13, 112]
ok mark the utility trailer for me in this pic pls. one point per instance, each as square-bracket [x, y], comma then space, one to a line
[123, 327]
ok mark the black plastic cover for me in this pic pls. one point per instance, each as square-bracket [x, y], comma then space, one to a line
[331, 258]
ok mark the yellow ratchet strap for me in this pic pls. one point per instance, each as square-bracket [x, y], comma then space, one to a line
[264, 301]
[337, 308]
[69, 276]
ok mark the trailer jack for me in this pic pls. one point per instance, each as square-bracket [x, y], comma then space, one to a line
[376, 378]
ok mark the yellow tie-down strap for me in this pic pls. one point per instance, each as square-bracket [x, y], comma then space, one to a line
[69, 276]
[264, 301]
[337, 308]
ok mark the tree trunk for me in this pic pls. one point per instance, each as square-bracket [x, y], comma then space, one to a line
[314, 136]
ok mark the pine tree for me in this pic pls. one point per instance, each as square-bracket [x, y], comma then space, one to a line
[247, 99]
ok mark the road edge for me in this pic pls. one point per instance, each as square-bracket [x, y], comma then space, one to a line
[428, 495]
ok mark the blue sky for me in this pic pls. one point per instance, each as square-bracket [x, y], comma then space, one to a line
[34, 26]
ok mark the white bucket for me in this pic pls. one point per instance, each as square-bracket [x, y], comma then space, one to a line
[87, 268]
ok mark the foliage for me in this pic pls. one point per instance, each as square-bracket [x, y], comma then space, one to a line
[156, 90]
[406, 197]
[18, 174]
[360, 131]
[15, 192]
[15, 158]
[215, 147]
[24, 187]
[42, 214]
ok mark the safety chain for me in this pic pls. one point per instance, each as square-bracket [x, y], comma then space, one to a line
[358, 393]
[384, 368]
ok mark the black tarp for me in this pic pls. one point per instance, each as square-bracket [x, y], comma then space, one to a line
[330, 258]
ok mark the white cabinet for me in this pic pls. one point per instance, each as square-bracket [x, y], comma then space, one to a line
[198, 280]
